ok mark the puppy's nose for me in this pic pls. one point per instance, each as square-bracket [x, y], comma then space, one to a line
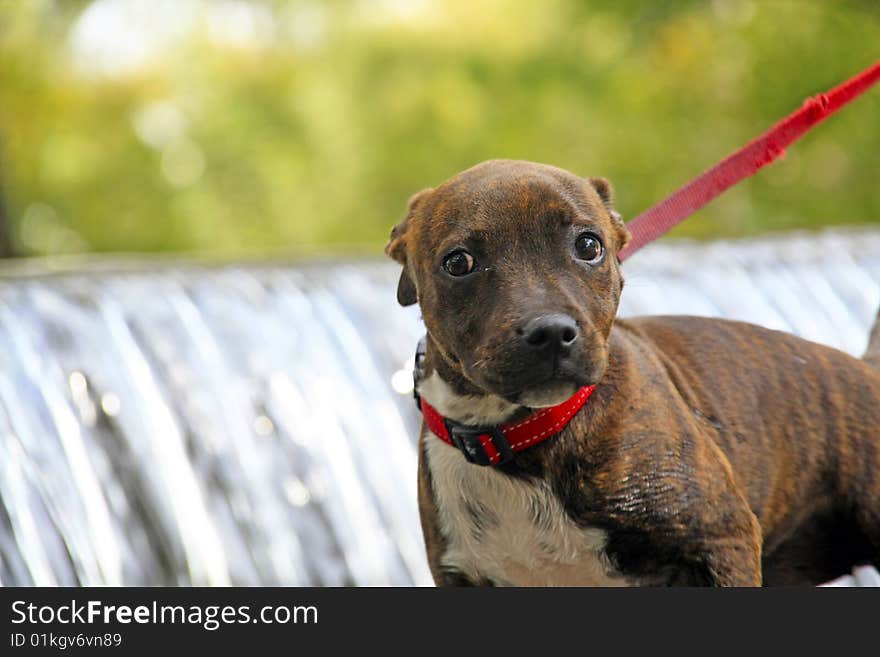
[550, 332]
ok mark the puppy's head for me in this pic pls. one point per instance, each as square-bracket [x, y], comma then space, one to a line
[514, 265]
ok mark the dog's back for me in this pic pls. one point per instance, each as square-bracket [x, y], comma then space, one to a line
[800, 425]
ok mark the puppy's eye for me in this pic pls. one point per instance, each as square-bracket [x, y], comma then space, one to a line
[459, 263]
[588, 247]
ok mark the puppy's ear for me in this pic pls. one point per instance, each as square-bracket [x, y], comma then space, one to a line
[606, 193]
[407, 294]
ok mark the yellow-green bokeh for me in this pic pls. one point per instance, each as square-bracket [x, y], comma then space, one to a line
[313, 133]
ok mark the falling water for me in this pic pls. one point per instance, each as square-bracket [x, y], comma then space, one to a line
[170, 425]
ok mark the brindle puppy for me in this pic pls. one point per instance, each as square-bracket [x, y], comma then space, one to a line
[712, 452]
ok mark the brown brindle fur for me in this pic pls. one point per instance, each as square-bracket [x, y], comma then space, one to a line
[712, 452]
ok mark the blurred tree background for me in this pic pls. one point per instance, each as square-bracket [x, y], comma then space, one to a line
[238, 128]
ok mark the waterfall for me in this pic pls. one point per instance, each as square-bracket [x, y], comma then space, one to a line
[175, 424]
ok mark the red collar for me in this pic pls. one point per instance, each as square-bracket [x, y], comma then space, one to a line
[491, 445]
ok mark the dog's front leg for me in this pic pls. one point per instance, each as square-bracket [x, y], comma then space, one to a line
[733, 536]
[726, 533]
[687, 522]
[435, 543]
[711, 556]
[733, 561]
[691, 551]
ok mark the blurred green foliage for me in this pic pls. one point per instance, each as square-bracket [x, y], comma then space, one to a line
[235, 128]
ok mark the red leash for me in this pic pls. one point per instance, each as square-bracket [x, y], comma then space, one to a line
[758, 153]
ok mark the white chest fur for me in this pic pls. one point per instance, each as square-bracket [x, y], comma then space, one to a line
[509, 531]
